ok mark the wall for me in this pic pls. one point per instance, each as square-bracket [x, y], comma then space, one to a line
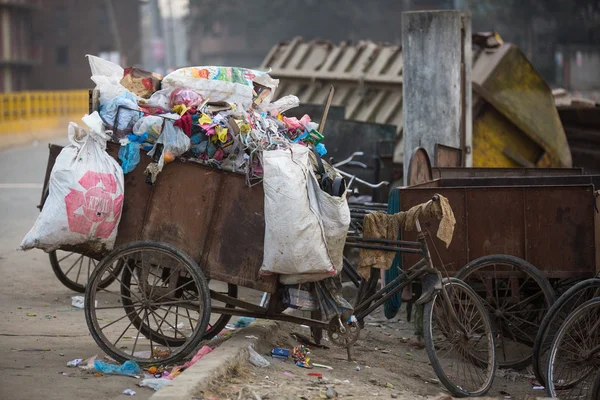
[582, 69]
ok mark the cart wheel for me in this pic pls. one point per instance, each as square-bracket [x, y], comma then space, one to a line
[596, 388]
[168, 299]
[216, 324]
[574, 359]
[569, 301]
[459, 340]
[517, 296]
[73, 269]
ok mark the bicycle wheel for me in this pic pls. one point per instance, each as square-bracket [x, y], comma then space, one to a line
[170, 337]
[517, 296]
[167, 278]
[68, 268]
[459, 340]
[569, 301]
[574, 359]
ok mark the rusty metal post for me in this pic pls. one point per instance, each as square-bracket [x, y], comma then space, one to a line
[436, 89]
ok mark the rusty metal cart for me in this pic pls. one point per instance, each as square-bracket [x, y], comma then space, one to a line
[521, 235]
[198, 226]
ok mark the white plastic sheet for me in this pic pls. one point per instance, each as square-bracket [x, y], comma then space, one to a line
[85, 194]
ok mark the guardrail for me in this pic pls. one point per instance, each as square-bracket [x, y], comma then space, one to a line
[23, 112]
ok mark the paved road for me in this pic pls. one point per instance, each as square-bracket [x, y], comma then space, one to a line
[28, 286]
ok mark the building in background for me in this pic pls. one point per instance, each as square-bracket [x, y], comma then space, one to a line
[44, 43]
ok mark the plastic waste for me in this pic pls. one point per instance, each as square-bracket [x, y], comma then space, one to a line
[150, 124]
[77, 301]
[86, 194]
[107, 76]
[129, 154]
[187, 97]
[243, 322]
[129, 368]
[129, 392]
[256, 359]
[75, 362]
[120, 113]
[283, 104]
[154, 383]
[174, 143]
[201, 353]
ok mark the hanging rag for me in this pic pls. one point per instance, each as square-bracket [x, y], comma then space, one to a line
[380, 225]
[185, 123]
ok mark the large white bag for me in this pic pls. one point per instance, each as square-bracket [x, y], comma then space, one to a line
[85, 197]
[305, 228]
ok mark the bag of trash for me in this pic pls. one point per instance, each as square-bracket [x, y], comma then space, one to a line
[141, 83]
[129, 153]
[120, 113]
[150, 124]
[171, 143]
[107, 76]
[129, 368]
[187, 97]
[85, 194]
[295, 241]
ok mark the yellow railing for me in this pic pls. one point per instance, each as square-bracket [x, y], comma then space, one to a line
[46, 110]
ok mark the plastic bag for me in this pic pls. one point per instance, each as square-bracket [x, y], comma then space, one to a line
[171, 143]
[129, 368]
[294, 237]
[150, 124]
[158, 103]
[283, 104]
[123, 123]
[85, 199]
[187, 97]
[129, 153]
[229, 84]
[256, 359]
[154, 383]
[107, 76]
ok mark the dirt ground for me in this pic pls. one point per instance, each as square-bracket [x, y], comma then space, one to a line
[384, 367]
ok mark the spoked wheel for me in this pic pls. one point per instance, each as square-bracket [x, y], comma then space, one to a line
[159, 316]
[567, 303]
[216, 323]
[517, 296]
[74, 270]
[459, 340]
[574, 359]
[596, 388]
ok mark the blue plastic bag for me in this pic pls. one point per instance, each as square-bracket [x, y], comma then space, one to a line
[130, 153]
[129, 368]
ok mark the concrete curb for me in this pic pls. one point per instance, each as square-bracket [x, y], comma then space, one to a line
[231, 353]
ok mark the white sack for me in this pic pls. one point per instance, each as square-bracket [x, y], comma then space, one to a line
[85, 197]
[107, 77]
[334, 214]
[295, 242]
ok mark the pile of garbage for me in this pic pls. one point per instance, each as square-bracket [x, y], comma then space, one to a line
[220, 116]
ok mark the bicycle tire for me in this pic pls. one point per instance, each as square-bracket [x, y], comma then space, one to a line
[585, 381]
[503, 325]
[63, 276]
[98, 333]
[472, 340]
[552, 321]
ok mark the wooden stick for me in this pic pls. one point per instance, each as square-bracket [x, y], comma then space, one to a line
[326, 111]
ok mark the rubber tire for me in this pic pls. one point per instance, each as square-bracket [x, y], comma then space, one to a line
[168, 341]
[194, 270]
[541, 373]
[550, 390]
[69, 283]
[535, 273]
[596, 388]
[430, 346]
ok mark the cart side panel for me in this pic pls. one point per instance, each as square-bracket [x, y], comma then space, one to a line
[491, 231]
[456, 255]
[597, 232]
[560, 230]
[181, 207]
[135, 202]
[235, 248]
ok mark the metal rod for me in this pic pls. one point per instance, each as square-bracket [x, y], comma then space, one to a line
[384, 248]
[277, 317]
[236, 302]
[326, 111]
[402, 275]
[386, 241]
